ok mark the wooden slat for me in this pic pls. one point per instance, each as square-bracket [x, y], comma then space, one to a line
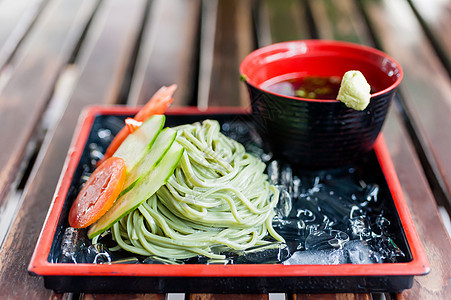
[228, 296]
[169, 51]
[16, 17]
[339, 20]
[434, 238]
[106, 55]
[332, 297]
[207, 42]
[426, 87]
[108, 50]
[26, 94]
[436, 16]
[281, 21]
[232, 42]
[124, 297]
[114, 30]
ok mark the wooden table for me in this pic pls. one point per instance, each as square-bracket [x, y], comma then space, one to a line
[58, 56]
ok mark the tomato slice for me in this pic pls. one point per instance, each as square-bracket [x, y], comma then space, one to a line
[157, 105]
[98, 194]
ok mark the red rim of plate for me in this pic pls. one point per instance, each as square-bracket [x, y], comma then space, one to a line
[283, 45]
[39, 265]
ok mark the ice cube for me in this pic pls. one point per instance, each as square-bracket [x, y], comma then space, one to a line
[358, 228]
[97, 254]
[273, 172]
[389, 251]
[285, 203]
[371, 192]
[286, 177]
[73, 244]
[358, 252]
[317, 257]
[325, 239]
[271, 253]
[296, 187]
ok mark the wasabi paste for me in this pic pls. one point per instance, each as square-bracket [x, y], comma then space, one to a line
[354, 92]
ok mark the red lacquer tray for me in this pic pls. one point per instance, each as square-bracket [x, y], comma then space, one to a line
[235, 278]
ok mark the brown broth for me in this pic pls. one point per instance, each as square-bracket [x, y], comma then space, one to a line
[312, 87]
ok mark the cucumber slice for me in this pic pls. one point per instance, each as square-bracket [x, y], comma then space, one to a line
[162, 144]
[137, 144]
[142, 190]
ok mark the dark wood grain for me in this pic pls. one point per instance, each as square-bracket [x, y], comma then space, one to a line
[124, 296]
[108, 50]
[423, 208]
[332, 297]
[17, 17]
[37, 80]
[427, 102]
[228, 296]
[339, 20]
[232, 42]
[169, 51]
[435, 16]
[27, 92]
[118, 41]
[279, 21]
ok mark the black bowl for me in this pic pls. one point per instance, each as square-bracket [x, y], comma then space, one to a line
[316, 133]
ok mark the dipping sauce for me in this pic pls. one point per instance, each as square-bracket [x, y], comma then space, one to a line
[311, 87]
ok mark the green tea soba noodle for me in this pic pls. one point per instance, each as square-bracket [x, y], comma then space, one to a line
[218, 199]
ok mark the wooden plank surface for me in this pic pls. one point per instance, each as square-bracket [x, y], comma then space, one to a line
[118, 41]
[228, 296]
[106, 62]
[169, 51]
[332, 297]
[220, 61]
[427, 103]
[124, 296]
[339, 20]
[16, 17]
[279, 21]
[108, 50]
[428, 223]
[45, 51]
[435, 15]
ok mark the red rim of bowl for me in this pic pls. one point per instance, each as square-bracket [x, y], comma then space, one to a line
[333, 43]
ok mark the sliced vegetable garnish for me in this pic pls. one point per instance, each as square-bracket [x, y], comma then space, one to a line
[137, 144]
[141, 191]
[132, 124]
[157, 105]
[98, 194]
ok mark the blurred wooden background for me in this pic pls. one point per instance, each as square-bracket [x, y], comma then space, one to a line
[58, 56]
